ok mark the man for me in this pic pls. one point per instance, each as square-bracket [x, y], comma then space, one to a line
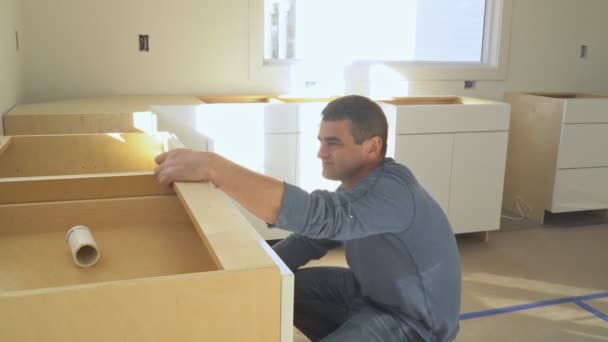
[403, 280]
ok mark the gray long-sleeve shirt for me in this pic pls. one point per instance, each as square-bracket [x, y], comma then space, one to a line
[397, 240]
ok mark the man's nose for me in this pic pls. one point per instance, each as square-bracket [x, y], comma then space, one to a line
[322, 153]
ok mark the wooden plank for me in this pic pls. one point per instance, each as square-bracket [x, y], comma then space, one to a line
[79, 187]
[235, 242]
[49, 155]
[534, 135]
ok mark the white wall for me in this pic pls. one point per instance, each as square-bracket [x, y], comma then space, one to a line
[546, 37]
[10, 59]
[544, 51]
[88, 47]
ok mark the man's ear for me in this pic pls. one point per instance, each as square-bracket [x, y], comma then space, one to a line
[373, 147]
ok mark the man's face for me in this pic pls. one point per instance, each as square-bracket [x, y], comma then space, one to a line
[342, 158]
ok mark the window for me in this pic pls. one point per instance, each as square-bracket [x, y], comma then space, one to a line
[378, 30]
[414, 39]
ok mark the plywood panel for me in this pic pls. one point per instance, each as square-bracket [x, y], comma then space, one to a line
[194, 307]
[222, 226]
[79, 187]
[534, 133]
[75, 123]
[30, 156]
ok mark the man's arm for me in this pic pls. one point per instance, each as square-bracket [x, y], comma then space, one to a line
[376, 205]
[297, 250]
[260, 194]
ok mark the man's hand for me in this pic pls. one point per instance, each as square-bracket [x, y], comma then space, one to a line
[182, 165]
[260, 194]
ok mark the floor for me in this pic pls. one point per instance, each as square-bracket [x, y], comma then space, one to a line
[532, 282]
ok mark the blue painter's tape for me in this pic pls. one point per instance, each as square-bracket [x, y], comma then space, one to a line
[591, 309]
[534, 305]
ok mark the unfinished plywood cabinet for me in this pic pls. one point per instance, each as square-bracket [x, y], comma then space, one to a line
[456, 147]
[179, 264]
[184, 267]
[556, 159]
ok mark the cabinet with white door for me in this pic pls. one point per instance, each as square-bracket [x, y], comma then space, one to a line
[456, 147]
[556, 158]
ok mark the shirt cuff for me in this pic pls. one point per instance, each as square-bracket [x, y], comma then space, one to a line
[292, 215]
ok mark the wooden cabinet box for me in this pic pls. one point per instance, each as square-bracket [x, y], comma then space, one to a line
[183, 267]
[556, 159]
[179, 264]
[92, 115]
[456, 147]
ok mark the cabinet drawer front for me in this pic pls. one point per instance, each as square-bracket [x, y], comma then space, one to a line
[580, 189]
[586, 110]
[451, 118]
[583, 145]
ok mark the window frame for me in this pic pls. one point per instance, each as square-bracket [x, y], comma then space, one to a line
[493, 66]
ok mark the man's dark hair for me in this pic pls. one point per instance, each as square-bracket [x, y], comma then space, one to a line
[367, 118]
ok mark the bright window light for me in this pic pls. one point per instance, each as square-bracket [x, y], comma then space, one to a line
[378, 30]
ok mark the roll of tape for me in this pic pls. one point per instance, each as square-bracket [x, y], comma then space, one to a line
[82, 245]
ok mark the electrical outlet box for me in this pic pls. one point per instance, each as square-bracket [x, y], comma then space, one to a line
[469, 84]
[144, 44]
